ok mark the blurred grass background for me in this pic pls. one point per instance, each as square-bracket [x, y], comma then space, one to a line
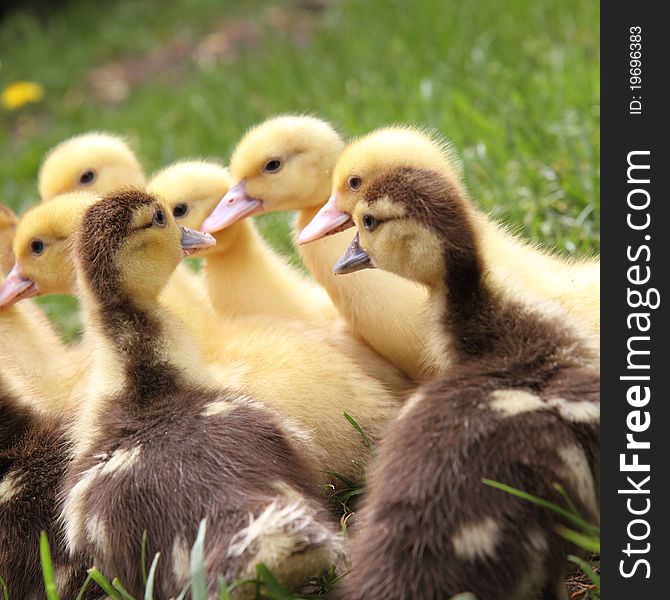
[515, 86]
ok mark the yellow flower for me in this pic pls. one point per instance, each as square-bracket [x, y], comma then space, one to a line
[20, 93]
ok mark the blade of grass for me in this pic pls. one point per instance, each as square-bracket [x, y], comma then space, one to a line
[198, 580]
[47, 568]
[592, 544]
[276, 591]
[185, 591]
[143, 555]
[104, 584]
[222, 586]
[80, 595]
[149, 590]
[345, 480]
[366, 439]
[561, 490]
[5, 591]
[587, 568]
[544, 503]
[117, 585]
[241, 582]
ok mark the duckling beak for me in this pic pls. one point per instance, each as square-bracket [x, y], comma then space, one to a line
[235, 205]
[327, 221]
[16, 287]
[192, 241]
[354, 259]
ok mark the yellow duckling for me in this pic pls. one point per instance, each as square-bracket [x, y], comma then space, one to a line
[96, 162]
[47, 370]
[244, 275]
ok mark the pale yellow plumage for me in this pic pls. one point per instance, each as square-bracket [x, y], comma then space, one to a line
[105, 161]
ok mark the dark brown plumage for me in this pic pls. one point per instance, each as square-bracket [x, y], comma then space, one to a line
[33, 459]
[171, 452]
[520, 406]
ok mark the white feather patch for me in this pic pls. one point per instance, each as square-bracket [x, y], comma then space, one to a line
[513, 402]
[477, 540]
[10, 486]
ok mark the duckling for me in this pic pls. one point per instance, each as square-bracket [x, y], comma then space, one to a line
[33, 458]
[8, 221]
[96, 162]
[574, 284]
[294, 369]
[41, 365]
[164, 446]
[286, 163]
[102, 163]
[245, 277]
[520, 405]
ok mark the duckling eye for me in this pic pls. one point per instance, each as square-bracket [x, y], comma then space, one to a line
[354, 182]
[370, 223]
[272, 166]
[87, 177]
[36, 247]
[160, 220]
[180, 210]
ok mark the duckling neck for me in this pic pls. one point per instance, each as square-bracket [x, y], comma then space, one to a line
[143, 341]
[483, 322]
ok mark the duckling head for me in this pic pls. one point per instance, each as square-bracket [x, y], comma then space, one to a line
[192, 189]
[8, 221]
[284, 163]
[95, 162]
[364, 158]
[42, 249]
[411, 222]
[128, 245]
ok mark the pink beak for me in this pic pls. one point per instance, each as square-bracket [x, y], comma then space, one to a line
[235, 205]
[16, 288]
[327, 221]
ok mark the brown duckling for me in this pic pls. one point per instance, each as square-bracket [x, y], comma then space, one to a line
[33, 458]
[520, 405]
[160, 445]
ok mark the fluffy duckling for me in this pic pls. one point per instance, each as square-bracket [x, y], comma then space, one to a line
[286, 163]
[164, 446]
[294, 369]
[574, 284]
[96, 162]
[244, 275]
[521, 406]
[32, 354]
[33, 458]
[8, 221]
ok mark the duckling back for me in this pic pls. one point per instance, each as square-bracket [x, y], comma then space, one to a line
[33, 459]
[431, 529]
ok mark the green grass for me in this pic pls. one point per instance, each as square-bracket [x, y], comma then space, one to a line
[264, 585]
[515, 88]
